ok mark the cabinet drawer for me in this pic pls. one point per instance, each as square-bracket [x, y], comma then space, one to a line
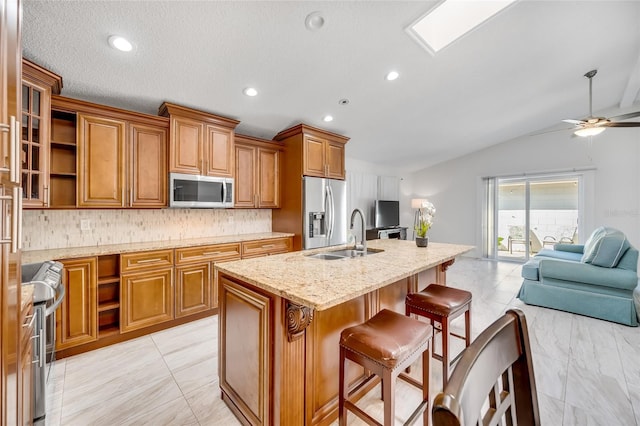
[216, 253]
[145, 260]
[265, 247]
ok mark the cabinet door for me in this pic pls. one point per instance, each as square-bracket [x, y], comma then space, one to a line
[76, 318]
[335, 160]
[147, 166]
[101, 163]
[314, 156]
[34, 156]
[186, 146]
[193, 289]
[245, 184]
[269, 184]
[146, 299]
[219, 152]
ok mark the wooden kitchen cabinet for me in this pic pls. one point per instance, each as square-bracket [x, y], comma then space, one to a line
[200, 143]
[146, 289]
[38, 84]
[147, 159]
[76, 318]
[218, 151]
[266, 247]
[315, 151]
[110, 158]
[101, 161]
[308, 151]
[196, 288]
[257, 173]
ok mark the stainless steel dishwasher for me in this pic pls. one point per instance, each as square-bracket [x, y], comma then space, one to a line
[48, 293]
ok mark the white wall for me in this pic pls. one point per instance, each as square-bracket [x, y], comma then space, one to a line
[406, 216]
[612, 195]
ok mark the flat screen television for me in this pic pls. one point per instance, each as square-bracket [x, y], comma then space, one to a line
[387, 214]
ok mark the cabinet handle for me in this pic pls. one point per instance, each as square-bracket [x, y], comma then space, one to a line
[16, 220]
[46, 196]
[5, 237]
[210, 253]
[14, 148]
[5, 129]
[149, 260]
[268, 246]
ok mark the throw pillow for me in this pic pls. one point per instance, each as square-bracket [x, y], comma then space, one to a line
[590, 245]
[607, 250]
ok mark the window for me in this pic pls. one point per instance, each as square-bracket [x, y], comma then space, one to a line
[524, 215]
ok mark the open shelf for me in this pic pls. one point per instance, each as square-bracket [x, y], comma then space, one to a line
[108, 306]
[108, 331]
[62, 163]
[108, 294]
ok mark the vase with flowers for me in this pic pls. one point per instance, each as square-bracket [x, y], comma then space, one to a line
[426, 213]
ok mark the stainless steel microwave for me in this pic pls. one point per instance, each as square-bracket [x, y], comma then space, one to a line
[200, 191]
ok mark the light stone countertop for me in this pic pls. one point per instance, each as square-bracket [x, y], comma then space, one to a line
[26, 295]
[321, 284]
[77, 252]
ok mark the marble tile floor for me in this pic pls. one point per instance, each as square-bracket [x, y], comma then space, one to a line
[587, 370]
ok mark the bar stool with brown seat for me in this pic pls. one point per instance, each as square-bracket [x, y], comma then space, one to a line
[442, 304]
[386, 344]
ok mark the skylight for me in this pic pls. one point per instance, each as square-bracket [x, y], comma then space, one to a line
[452, 19]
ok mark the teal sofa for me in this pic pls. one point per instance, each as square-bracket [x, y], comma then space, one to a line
[596, 279]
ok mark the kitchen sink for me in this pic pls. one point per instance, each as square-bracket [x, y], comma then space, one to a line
[343, 254]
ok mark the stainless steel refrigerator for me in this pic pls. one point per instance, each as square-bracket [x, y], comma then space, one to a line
[325, 212]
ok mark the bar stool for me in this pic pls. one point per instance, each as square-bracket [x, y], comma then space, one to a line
[385, 345]
[442, 304]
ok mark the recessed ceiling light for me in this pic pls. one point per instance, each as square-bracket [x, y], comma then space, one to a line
[250, 91]
[451, 20]
[327, 118]
[120, 43]
[314, 21]
[392, 75]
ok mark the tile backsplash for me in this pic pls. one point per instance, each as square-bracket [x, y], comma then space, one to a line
[51, 229]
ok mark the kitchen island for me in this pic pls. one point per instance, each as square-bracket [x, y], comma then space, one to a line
[281, 318]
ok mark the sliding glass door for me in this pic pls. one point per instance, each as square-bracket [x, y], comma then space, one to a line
[526, 214]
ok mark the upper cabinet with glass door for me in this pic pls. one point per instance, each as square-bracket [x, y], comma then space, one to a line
[37, 86]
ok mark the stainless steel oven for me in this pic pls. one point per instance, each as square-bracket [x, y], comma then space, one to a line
[48, 293]
[200, 191]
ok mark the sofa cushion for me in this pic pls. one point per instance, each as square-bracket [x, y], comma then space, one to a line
[605, 247]
[559, 254]
[530, 269]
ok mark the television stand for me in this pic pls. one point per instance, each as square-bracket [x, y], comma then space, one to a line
[397, 232]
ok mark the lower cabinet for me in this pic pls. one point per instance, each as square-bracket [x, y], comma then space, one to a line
[196, 288]
[193, 289]
[76, 318]
[112, 295]
[146, 299]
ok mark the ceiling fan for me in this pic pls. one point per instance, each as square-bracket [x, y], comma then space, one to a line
[591, 125]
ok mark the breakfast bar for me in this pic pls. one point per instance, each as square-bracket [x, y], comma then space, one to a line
[281, 318]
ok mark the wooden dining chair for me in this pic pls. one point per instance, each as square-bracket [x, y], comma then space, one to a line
[493, 381]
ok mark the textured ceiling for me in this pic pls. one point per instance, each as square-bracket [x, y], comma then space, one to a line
[520, 72]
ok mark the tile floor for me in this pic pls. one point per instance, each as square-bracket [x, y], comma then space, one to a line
[587, 370]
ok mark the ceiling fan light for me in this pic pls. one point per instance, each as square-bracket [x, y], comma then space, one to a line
[589, 131]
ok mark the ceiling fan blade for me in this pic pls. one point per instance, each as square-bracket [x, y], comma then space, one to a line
[574, 121]
[628, 124]
[625, 116]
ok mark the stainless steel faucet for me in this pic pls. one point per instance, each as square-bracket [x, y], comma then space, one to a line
[363, 243]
